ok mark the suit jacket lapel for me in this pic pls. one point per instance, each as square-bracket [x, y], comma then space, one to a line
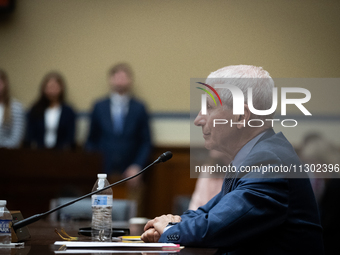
[268, 133]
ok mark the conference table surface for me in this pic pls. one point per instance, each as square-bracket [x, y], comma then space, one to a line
[43, 237]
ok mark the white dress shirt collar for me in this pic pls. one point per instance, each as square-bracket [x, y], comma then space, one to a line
[118, 99]
[119, 102]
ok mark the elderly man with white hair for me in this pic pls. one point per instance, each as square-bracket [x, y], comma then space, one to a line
[254, 213]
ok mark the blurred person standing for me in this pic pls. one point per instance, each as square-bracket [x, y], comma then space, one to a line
[51, 122]
[120, 130]
[12, 120]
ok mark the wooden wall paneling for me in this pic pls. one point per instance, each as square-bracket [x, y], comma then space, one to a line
[31, 178]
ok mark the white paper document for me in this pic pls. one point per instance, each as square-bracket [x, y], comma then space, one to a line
[111, 251]
[70, 244]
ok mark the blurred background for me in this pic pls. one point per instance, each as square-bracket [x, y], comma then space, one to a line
[166, 43]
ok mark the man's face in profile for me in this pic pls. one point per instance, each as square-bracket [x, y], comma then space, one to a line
[120, 82]
[221, 137]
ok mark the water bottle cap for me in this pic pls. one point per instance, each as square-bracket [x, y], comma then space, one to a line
[3, 202]
[102, 176]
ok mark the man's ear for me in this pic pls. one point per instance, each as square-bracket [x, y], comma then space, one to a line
[244, 118]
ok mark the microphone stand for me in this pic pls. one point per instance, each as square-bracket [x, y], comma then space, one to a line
[17, 225]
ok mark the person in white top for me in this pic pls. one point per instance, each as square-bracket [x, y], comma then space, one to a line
[12, 120]
[51, 122]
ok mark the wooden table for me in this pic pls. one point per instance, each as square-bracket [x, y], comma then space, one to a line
[43, 238]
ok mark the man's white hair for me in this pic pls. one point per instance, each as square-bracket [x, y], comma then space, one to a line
[244, 77]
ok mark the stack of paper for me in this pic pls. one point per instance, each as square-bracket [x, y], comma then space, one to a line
[115, 247]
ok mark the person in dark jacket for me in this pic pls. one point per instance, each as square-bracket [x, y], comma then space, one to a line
[51, 122]
[120, 131]
[258, 211]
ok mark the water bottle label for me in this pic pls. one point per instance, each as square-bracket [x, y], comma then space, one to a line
[5, 226]
[102, 200]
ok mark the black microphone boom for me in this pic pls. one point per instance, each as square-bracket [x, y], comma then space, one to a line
[16, 225]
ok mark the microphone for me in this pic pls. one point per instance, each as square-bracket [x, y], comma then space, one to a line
[164, 157]
[17, 225]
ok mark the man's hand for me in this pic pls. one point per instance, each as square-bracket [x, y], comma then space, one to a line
[150, 236]
[130, 171]
[155, 228]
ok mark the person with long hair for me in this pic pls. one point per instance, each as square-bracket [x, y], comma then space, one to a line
[12, 120]
[51, 122]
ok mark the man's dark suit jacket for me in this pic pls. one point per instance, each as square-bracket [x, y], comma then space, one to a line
[258, 215]
[35, 130]
[120, 151]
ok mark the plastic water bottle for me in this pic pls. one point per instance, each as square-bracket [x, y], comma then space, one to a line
[5, 224]
[102, 211]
